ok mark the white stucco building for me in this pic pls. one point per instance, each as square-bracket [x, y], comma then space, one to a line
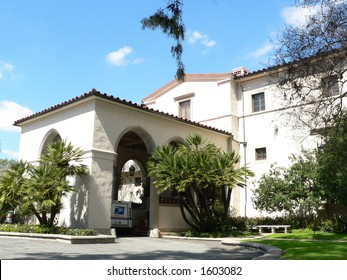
[112, 132]
[237, 111]
[246, 105]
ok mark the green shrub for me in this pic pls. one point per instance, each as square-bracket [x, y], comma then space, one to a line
[41, 229]
[77, 231]
[336, 224]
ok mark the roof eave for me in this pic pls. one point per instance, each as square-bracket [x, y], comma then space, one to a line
[95, 95]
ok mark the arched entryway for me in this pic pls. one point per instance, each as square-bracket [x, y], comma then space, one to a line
[131, 182]
[51, 137]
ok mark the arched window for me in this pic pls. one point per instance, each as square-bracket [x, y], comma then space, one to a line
[51, 137]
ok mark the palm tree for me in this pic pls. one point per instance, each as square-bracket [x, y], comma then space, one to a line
[40, 188]
[12, 182]
[49, 181]
[203, 177]
[66, 157]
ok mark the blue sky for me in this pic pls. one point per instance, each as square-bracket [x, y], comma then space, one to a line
[52, 51]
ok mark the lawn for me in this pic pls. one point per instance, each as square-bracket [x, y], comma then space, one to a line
[307, 245]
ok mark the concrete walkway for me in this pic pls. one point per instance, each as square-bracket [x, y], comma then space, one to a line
[132, 248]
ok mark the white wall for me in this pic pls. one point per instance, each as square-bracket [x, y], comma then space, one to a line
[208, 102]
[227, 106]
[76, 126]
[96, 125]
[170, 218]
[266, 129]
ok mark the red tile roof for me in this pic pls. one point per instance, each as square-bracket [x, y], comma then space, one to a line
[188, 78]
[111, 98]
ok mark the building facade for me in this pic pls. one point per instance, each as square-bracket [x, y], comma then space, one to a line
[249, 107]
[237, 110]
[116, 136]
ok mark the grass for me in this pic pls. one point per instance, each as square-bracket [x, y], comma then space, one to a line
[307, 245]
[310, 235]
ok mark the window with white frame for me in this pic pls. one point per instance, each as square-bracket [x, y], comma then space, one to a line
[184, 109]
[184, 105]
[330, 86]
[258, 102]
[260, 154]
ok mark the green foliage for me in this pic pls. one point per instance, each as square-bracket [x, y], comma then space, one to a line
[334, 228]
[5, 163]
[294, 189]
[43, 229]
[312, 180]
[169, 20]
[38, 189]
[336, 224]
[332, 162]
[13, 184]
[203, 177]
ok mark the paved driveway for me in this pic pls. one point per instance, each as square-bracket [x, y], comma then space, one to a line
[126, 248]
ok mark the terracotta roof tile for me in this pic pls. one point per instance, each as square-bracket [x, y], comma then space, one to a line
[188, 77]
[96, 93]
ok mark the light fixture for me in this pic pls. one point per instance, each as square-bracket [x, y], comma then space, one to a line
[132, 170]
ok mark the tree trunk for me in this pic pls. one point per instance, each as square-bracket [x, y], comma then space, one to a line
[41, 219]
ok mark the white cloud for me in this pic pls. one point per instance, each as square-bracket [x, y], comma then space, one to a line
[5, 68]
[262, 51]
[197, 37]
[138, 60]
[10, 112]
[120, 57]
[10, 154]
[297, 16]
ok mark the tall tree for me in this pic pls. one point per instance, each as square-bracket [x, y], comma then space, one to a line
[169, 20]
[203, 177]
[332, 163]
[313, 64]
[312, 180]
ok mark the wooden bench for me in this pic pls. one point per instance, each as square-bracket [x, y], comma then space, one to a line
[273, 228]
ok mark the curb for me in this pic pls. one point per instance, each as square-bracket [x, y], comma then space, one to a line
[270, 252]
[70, 239]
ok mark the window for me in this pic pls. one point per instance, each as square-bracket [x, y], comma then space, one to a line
[258, 102]
[184, 109]
[260, 154]
[330, 86]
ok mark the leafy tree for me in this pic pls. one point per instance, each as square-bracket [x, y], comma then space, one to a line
[294, 189]
[332, 163]
[313, 64]
[203, 177]
[38, 189]
[169, 20]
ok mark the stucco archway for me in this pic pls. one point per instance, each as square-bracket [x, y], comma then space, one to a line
[134, 145]
[50, 137]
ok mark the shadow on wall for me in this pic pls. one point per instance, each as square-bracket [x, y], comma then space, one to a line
[79, 202]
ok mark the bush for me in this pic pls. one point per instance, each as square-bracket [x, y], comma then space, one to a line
[46, 230]
[240, 226]
[337, 224]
